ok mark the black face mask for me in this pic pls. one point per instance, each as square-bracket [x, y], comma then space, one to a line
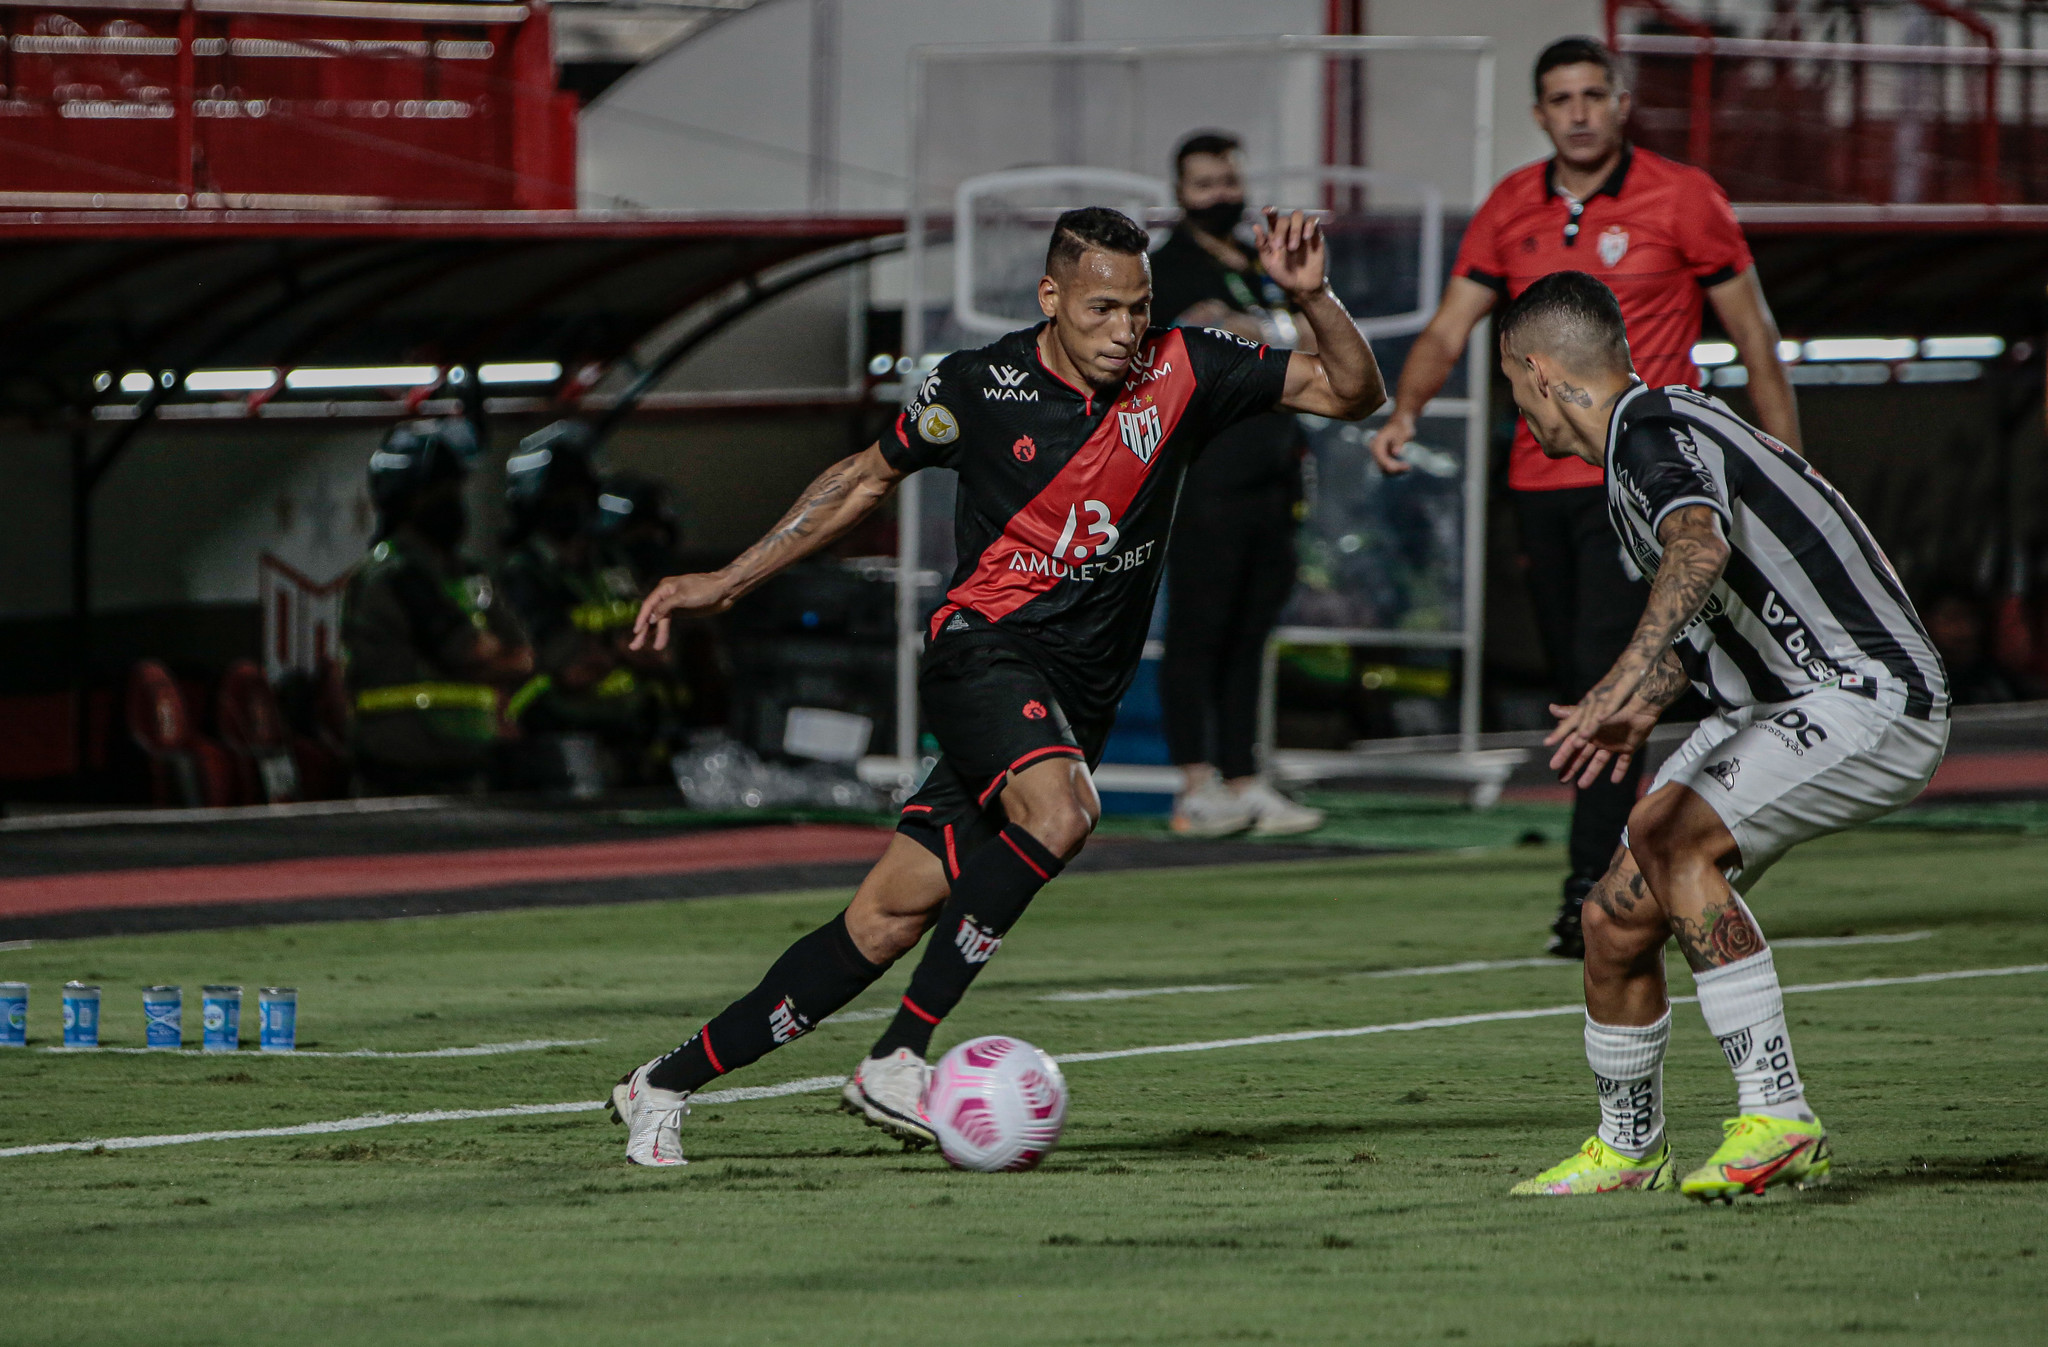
[1218, 218]
[442, 522]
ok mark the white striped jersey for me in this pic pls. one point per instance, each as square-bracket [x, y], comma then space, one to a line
[1807, 600]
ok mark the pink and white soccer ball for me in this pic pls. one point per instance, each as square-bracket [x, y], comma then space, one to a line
[997, 1104]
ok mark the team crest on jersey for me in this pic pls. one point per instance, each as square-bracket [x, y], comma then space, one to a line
[1008, 386]
[1034, 709]
[1613, 244]
[1142, 432]
[1724, 772]
[1025, 449]
[937, 425]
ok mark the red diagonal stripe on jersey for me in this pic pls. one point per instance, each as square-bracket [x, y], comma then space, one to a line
[1103, 469]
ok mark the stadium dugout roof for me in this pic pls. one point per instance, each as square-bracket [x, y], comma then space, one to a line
[92, 294]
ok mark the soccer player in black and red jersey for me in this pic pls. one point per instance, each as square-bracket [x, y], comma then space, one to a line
[1070, 439]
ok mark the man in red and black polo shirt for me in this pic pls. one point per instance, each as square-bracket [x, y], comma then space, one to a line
[1071, 440]
[1662, 237]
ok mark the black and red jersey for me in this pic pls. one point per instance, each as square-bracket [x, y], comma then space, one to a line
[1067, 494]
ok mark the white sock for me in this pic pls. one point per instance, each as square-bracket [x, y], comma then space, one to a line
[1746, 1011]
[1628, 1068]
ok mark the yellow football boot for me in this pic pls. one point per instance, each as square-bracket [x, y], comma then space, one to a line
[1759, 1152]
[1598, 1168]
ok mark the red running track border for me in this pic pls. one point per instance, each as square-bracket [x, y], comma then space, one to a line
[426, 872]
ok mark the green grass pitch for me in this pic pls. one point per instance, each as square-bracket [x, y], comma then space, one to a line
[1346, 1190]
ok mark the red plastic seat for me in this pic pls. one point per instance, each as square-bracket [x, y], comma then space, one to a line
[186, 768]
[253, 730]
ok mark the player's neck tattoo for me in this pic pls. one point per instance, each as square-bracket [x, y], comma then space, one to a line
[1572, 393]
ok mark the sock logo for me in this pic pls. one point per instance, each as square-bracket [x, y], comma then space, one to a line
[1736, 1048]
[786, 1022]
[977, 943]
[1630, 1107]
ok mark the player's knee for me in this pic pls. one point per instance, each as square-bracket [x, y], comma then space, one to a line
[1063, 827]
[1653, 834]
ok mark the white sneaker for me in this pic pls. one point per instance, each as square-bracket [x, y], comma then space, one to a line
[888, 1092]
[1274, 815]
[653, 1119]
[1211, 810]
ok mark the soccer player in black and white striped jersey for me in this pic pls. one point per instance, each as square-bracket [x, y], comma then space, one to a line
[1769, 596]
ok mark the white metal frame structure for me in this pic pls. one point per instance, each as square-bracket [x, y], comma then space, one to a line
[1472, 409]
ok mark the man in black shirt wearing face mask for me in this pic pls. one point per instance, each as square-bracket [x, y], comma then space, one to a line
[428, 647]
[1230, 564]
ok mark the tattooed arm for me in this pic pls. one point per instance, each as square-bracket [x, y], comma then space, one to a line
[1617, 740]
[842, 496]
[1612, 720]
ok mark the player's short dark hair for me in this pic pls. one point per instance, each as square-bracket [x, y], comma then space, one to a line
[1096, 227]
[1574, 51]
[1204, 142]
[1570, 316]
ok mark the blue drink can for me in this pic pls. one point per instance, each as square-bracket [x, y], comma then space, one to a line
[81, 1015]
[220, 1018]
[13, 1014]
[163, 1017]
[278, 1011]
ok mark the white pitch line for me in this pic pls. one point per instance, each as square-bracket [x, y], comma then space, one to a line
[1127, 993]
[480, 1050]
[6, 945]
[815, 1084]
[1468, 966]
[859, 1016]
[1832, 941]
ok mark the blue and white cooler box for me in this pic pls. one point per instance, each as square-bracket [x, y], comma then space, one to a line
[81, 1015]
[220, 1018]
[277, 1009]
[13, 1014]
[163, 1017]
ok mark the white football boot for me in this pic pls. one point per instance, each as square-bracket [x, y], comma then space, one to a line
[1274, 815]
[653, 1119]
[1211, 809]
[888, 1092]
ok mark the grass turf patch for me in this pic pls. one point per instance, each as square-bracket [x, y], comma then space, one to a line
[1347, 1190]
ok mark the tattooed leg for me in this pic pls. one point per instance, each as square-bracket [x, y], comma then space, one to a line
[1719, 935]
[1625, 933]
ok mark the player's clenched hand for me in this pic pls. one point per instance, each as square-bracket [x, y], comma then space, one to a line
[1390, 440]
[678, 596]
[1291, 250]
[1608, 727]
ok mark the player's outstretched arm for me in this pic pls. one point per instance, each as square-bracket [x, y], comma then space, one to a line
[1341, 379]
[1695, 554]
[1430, 361]
[842, 496]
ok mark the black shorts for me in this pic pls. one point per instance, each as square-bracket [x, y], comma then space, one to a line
[993, 712]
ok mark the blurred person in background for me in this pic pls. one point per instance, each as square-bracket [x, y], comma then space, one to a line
[1230, 561]
[1663, 237]
[578, 603]
[639, 528]
[428, 646]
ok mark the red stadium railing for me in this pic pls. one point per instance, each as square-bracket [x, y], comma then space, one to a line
[1785, 117]
[170, 104]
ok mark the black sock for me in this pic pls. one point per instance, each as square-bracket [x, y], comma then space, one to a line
[814, 977]
[995, 886]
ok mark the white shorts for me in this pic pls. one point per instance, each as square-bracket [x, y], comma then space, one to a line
[1781, 774]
